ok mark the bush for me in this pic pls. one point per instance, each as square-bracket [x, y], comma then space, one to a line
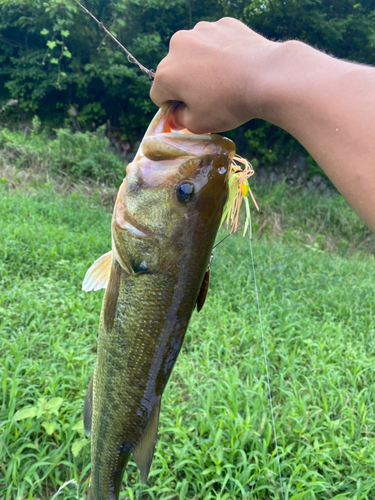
[55, 57]
[88, 154]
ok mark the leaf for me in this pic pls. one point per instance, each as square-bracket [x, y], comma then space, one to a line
[67, 53]
[64, 33]
[78, 445]
[299, 495]
[29, 412]
[51, 44]
[49, 427]
[44, 31]
[78, 426]
[54, 60]
[39, 412]
[54, 404]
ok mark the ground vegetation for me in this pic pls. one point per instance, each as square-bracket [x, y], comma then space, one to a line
[314, 261]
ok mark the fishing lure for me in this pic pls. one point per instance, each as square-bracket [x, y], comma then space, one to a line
[238, 190]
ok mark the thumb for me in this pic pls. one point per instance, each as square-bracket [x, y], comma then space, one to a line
[183, 118]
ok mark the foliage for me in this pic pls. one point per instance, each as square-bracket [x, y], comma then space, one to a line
[344, 28]
[56, 61]
[215, 436]
[86, 155]
[80, 155]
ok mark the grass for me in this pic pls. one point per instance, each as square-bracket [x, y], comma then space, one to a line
[215, 436]
[318, 219]
[76, 155]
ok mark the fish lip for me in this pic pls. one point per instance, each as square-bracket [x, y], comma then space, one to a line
[163, 150]
[163, 122]
[158, 124]
[163, 125]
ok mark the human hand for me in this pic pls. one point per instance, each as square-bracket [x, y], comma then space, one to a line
[226, 74]
[215, 70]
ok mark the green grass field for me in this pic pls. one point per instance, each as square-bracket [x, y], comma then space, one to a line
[316, 279]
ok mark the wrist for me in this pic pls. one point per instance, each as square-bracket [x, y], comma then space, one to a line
[276, 80]
[259, 79]
[297, 80]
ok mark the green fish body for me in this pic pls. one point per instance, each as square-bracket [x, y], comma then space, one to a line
[164, 224]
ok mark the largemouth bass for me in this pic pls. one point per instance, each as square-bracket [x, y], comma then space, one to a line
[164, 224]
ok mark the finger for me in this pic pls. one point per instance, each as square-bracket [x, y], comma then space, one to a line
[159, 93]
[184, 118]
[166, 79]
[203, 26]
[178, 38]
[166, 85]
[173, 119]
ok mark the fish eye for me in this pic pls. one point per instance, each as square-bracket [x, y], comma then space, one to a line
[185, 191]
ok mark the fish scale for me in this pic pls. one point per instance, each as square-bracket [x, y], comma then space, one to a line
[163, 227]
[125, 355]
[141, 349]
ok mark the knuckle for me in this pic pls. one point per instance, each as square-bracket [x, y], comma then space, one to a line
[154, 96]
[228, 22]
[226, 19]
[176, 38]
[160, 69]
[163, 71]
[202, 25]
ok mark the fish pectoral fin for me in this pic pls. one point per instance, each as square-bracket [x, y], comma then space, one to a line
[87, 408]
[144, 450]
[97, 276]
[204, 290]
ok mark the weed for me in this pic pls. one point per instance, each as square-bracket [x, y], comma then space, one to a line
[215, 437]
[79, 155]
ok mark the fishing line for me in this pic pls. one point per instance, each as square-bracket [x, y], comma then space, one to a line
[227, 236]
[266, 365]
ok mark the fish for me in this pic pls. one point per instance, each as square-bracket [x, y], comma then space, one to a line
[165, 219]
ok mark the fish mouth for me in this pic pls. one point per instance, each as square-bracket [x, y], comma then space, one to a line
[166, 157]
[163, 131]
[165, 148]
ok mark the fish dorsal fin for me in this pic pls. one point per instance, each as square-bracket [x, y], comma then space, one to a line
[97, 276]
[204, 290]
[111, 295]
[144, 450]
[87, 408]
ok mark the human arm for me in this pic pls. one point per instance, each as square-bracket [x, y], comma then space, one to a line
[226, 74]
